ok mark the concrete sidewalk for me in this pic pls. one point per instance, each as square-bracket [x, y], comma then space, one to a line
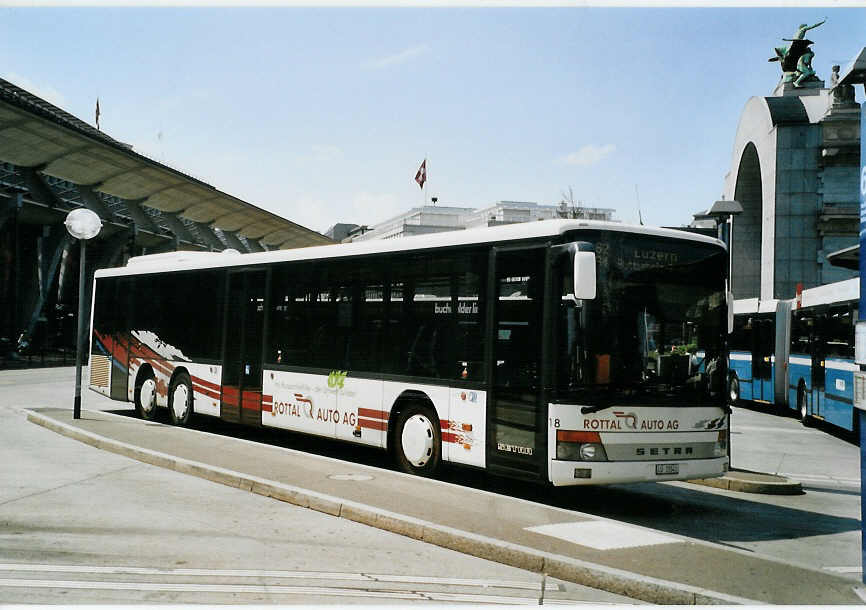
[639, 563]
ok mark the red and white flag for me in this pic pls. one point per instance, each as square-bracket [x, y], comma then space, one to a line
[421, 176]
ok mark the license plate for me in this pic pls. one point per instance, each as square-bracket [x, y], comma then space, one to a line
[667, 468]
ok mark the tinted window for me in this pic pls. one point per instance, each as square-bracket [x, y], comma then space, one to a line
[179, 315]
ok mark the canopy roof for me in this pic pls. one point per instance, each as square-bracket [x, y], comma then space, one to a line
[36, 134]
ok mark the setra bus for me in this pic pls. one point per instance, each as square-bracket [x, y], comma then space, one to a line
[798, 354]
[563, 351]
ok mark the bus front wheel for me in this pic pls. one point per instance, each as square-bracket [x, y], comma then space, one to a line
[145, 397]
[417, 441]
[802, 406]
[734, 389]
[180, 400]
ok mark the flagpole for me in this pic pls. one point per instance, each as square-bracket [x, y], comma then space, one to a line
[426, 173]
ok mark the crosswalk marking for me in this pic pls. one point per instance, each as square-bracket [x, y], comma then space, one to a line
[602, 535]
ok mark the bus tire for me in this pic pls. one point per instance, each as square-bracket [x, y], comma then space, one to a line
[803, 406]
[734, 390]
[417, 441]
[145, 396]
[180, 399]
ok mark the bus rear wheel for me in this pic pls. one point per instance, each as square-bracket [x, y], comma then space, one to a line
[180, 400]
[145, 397]
[417, 441]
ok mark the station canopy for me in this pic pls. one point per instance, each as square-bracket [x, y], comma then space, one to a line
[36, 134]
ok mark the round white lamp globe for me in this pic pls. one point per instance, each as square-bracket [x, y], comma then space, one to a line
[83, 224]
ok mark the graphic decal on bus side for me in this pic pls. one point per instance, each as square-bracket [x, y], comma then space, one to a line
[129, 354]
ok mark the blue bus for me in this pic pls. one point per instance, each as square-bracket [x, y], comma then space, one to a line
[798, 354]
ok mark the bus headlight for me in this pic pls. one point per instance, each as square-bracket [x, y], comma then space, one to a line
[579, 446]
[721, 448]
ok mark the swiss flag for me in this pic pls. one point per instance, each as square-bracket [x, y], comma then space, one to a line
[421, 176]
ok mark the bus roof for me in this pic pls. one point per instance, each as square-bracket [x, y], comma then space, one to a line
[177, 261]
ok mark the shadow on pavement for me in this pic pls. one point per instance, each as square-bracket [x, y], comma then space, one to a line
[684, 511]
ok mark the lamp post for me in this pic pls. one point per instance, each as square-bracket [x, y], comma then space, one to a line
[723, 213]
[82, 224]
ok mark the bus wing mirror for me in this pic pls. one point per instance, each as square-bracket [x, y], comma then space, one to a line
[584, 275]
[729, 297]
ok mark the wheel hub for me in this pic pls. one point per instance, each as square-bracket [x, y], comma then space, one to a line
[180, 400]
[148, 395]
[417, 440]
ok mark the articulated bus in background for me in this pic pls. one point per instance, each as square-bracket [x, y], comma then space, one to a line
[798, 354]
[571, 352]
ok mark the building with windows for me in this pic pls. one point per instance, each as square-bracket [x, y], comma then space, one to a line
[435, 218]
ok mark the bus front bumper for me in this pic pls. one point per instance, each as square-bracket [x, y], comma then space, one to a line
[597, 473]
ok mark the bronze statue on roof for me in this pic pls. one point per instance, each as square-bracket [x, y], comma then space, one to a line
[796, 59]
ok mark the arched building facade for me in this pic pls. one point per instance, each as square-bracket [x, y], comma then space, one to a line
[794, 169]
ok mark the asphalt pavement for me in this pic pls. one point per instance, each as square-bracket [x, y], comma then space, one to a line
[636, 562]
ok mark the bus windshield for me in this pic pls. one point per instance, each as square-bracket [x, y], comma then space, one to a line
[655, 333]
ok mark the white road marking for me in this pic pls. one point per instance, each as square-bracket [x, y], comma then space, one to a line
[287, 574]
[602, 535]
[845, 570]
[276, 590]
[200, 588]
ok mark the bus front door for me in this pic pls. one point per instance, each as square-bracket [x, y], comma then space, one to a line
[763, 346]
[242, 347]
[516, 421]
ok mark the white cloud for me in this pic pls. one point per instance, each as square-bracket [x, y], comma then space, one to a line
[589, 154]
[397, 58]
[49, 94]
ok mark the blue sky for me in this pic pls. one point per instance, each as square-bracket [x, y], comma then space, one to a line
[323, 115]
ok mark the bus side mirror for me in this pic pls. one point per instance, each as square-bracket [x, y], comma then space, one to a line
[584, 275]
[729, 297]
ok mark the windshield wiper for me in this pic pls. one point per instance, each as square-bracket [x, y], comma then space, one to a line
[594, 409]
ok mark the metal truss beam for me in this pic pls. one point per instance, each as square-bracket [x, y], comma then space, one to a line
[40, 192]
[93, 203]
[177, 227]
[210, 237]
[142, 220]
[255, 246]
[235, 242]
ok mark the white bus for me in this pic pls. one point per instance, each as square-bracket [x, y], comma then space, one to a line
[471, 347]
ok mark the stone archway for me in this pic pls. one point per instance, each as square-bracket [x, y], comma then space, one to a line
[747, 234]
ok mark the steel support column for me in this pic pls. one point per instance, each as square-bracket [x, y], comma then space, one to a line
[93, 203]
[177, 227]
[210, 237]
[10, 208]
[50, 249]
[235, 242]
[141, 219]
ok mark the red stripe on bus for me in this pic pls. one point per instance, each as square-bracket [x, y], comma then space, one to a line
[373, 424]
[205, 383]
[204, 391]
[372, 413]
[449, 437]
[267, 407]
[444, 424]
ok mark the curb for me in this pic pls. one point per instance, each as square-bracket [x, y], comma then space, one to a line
[779, 487]
[635, 586]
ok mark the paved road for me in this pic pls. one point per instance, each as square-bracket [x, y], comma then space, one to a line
[80, 525]
[820, 528]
